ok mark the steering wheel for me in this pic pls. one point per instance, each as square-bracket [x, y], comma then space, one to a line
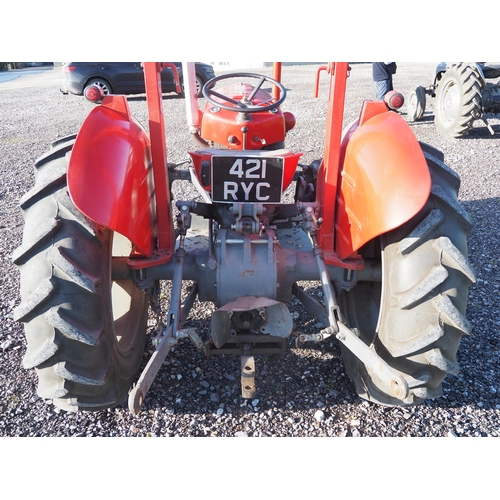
[245, 105]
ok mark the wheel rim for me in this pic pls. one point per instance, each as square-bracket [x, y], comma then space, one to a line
[127, 302]
[365, 318]
[450, 102]
[413, 103]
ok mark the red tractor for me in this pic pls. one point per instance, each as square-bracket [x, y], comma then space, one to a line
[376, 222]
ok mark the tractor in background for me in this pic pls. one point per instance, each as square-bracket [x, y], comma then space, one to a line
[464, 92]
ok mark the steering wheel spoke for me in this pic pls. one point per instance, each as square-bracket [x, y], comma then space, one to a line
[245, 105]
[228, 99]
[256, 89]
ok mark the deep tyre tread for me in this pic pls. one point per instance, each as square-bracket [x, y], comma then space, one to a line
[458, 100]
[415, 319]
[84, 358]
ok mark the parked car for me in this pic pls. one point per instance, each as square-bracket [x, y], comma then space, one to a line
[124, 77]
[35, 64]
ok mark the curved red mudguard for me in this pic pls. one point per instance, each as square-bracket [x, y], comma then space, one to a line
[110, 173]
[384, 179]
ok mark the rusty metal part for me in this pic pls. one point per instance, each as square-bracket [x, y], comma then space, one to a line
[261, 344]
[193, 336]
[138, 393]
[248, 388]
[264, 315]
[163, 345]
[311, 304]
[393, 383]
[176, 316]
[313, 337]
[332, 308]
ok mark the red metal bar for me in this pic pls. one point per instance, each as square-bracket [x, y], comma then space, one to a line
[316, 85]
[175, 74]
[329, 170]
[165, 233]
[277, 77]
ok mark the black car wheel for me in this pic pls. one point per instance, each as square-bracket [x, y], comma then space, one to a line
[199, 87]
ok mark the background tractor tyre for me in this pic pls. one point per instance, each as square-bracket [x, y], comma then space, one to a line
[85, 333]
[415, 317]
[458, 100]
[102, 84]
[415, 104]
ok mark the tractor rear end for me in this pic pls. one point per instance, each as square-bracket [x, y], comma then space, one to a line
[376, 223]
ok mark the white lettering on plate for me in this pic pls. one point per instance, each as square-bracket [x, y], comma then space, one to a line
[230, 188]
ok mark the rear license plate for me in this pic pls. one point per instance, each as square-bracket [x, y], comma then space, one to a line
[248, 179]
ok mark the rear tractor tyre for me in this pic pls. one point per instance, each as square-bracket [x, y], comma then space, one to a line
[416, 102]
[85, 333]
[458, 100]
[415, 318]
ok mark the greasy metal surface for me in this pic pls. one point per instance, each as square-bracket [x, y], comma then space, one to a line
[138, 393]
[246, 265]
[247, 373]
[261, 344]
[176, 315]
[393, 383]
[312, 305]
[267, 317]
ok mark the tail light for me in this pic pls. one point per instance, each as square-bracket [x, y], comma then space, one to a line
[394, 100]
[94, 93]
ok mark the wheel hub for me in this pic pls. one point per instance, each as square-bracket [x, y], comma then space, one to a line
[451, 102]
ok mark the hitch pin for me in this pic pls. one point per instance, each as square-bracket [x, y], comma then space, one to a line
[314, 337]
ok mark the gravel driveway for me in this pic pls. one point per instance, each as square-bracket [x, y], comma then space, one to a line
[305, 392]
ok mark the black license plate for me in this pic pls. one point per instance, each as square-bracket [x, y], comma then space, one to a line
[250, 179]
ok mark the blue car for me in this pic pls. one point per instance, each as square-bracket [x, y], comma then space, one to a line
[124, 77]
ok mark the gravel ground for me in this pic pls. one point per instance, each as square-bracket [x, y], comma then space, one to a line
[305, 392]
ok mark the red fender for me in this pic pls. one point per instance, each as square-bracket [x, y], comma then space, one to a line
[110, 173]
[384, 178]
